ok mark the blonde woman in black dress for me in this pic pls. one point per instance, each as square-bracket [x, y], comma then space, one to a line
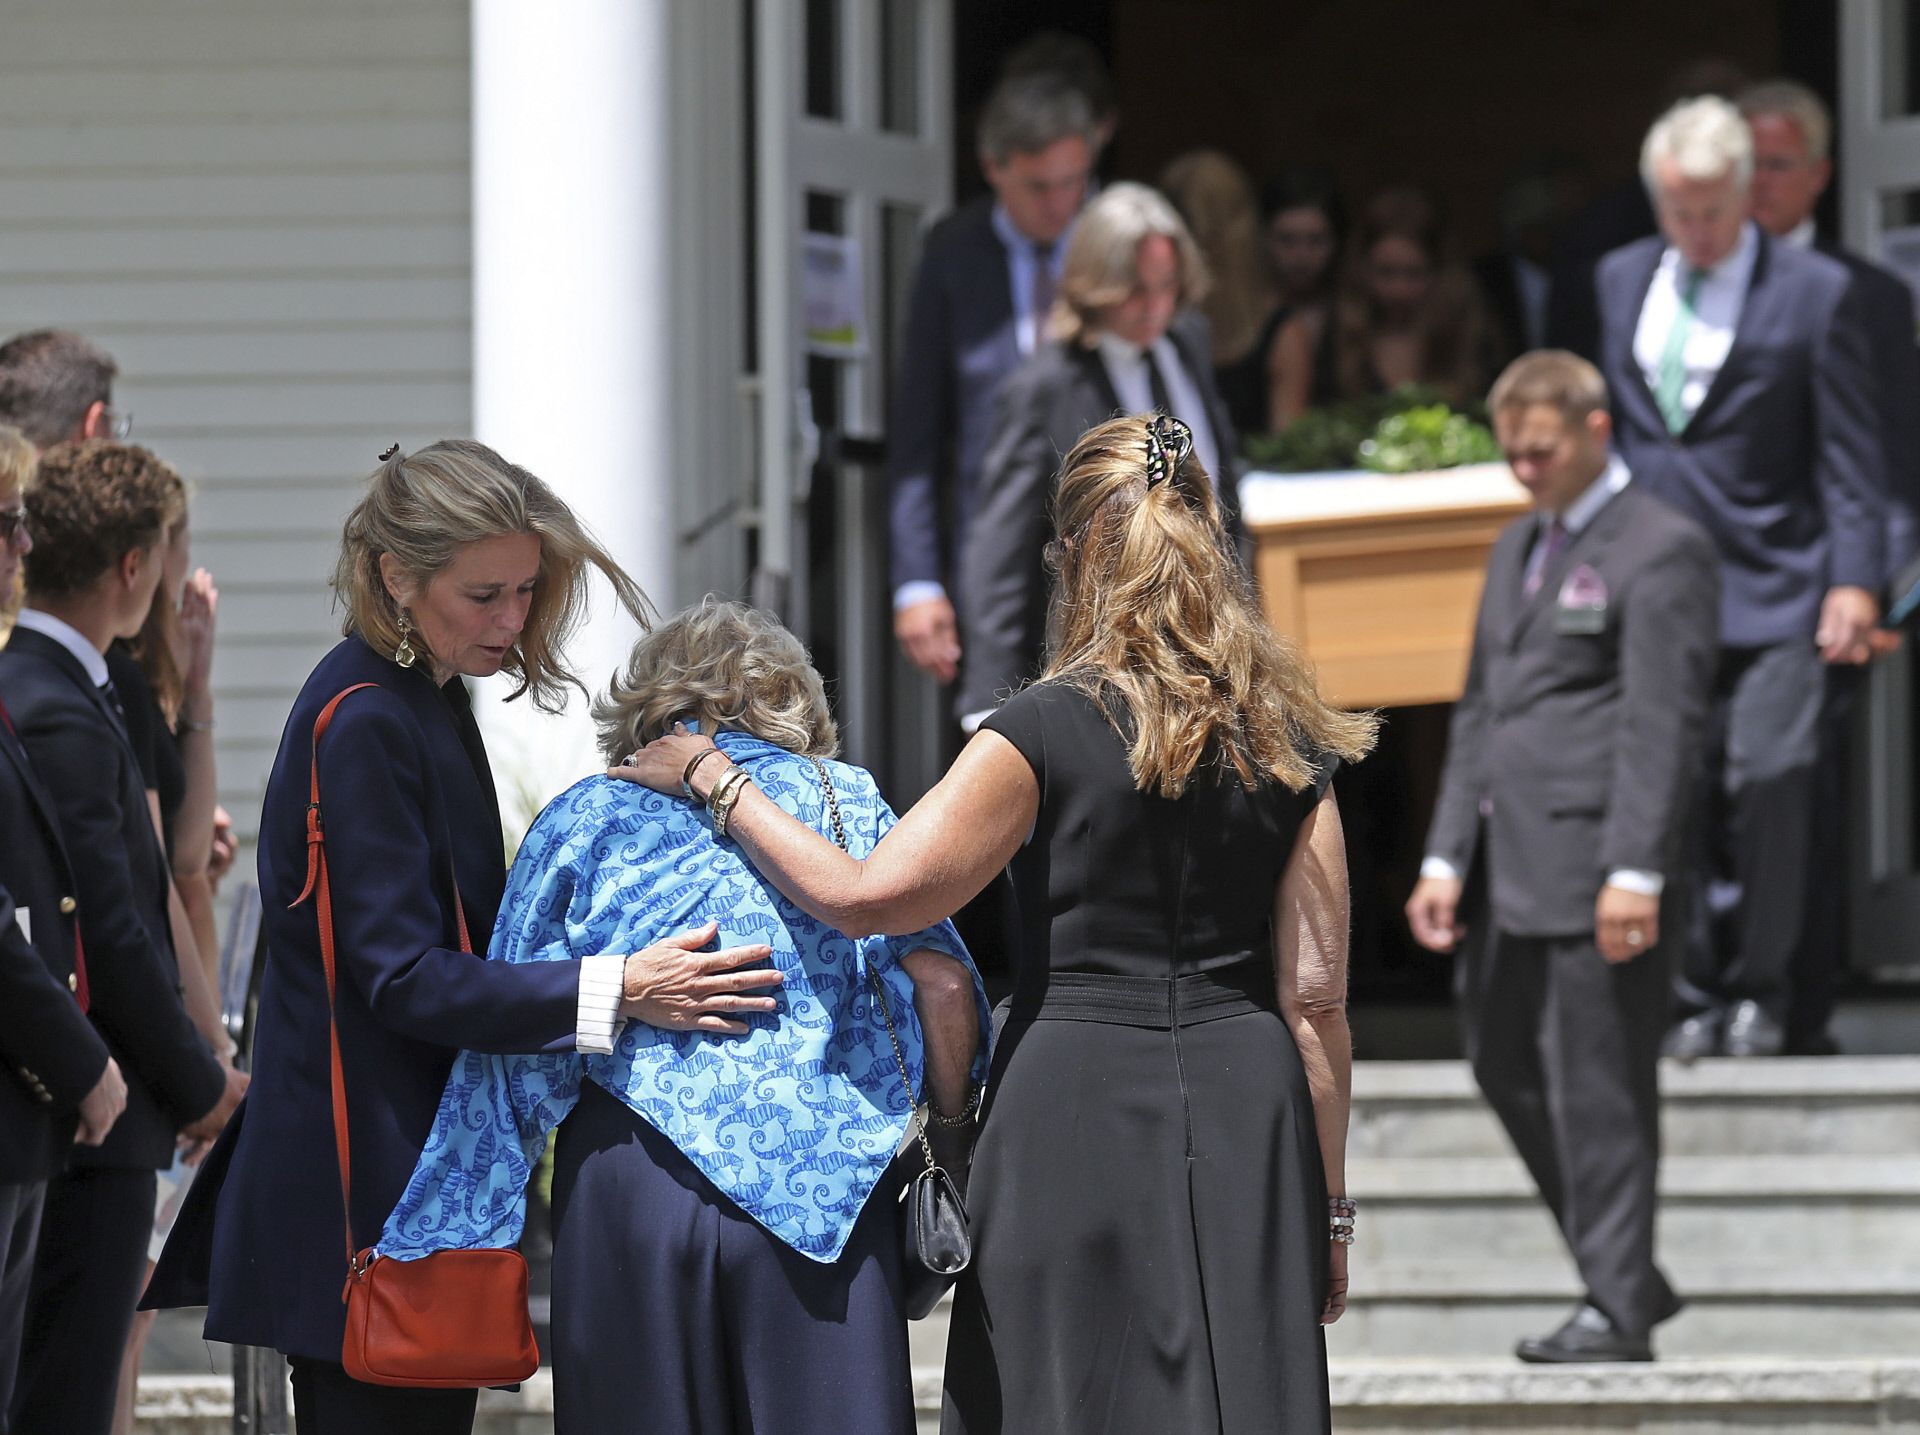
[1158, 1241]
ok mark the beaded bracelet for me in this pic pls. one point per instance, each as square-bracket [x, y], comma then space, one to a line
[1341, 1211]
[960, 1118]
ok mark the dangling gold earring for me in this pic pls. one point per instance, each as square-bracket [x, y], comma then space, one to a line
[404, 655]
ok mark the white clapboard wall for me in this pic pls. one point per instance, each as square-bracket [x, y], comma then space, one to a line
[260, 207]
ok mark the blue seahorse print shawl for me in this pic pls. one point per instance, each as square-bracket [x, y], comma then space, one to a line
[794, 1121]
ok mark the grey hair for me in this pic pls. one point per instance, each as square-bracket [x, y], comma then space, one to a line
[49, 378]
[1102, 263]
[1028, 113]
[1791, 100]
[1704, 138]
[729, 666]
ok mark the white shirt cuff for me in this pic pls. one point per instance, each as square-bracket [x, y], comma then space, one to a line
[597, 1014]
[1439, 869]
[919, 590]
[1631, 879]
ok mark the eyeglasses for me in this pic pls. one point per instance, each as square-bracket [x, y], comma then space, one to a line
[115, 424]
[13, 522]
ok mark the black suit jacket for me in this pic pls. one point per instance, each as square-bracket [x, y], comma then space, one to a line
[121, 882]
[1782, 462]
[1887, 303]
[46, 1043]
[959, 346]
[1049, 402]
[1572, 752]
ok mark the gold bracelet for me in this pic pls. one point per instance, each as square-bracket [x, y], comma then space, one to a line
[725, 793]
[686, 777]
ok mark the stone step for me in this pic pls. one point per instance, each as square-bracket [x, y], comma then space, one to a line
[1775, 1211]
[1791, 1106]
[1471, 1311]
[1424, 1397]
[1671, 1397]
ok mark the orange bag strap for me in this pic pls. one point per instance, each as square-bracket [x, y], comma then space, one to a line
[320, 888]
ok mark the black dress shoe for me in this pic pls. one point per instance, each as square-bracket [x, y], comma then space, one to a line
[1751, 1032]
[1588, 1337]
[1697, 1036]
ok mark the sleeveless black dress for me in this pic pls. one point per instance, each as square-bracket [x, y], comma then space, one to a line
[1149, 1208]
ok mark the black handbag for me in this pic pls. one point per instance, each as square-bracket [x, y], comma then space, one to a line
[935, 1242]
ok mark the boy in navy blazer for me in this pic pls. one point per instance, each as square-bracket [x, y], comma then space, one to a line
[63, 1085]
[99, 510]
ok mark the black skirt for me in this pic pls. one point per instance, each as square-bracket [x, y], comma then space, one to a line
[1150, 1222]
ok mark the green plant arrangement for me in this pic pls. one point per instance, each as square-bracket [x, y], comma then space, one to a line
[1432, 436]
[1410, 430]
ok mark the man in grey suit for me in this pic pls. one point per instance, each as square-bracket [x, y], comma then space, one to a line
[1744, 395]
[979, 306]
[1557, 833]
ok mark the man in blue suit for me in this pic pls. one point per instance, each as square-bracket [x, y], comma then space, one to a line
[979, 306]
[63, 1086]
[1744, 395]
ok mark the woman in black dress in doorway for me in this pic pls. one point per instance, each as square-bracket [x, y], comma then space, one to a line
[1167, 1108]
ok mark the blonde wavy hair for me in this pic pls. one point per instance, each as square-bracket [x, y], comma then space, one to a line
[1152, 604]
[426, 506]
[1102, 266]
[729, 666]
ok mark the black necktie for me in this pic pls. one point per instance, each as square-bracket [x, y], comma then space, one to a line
[112, 695]
[1157, 385]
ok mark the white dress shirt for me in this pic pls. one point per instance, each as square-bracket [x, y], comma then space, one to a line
[1126, 366]
[1717, 305]
[1582, 511]
[1801, 236]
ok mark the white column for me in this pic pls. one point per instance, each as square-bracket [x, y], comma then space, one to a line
[572, 318]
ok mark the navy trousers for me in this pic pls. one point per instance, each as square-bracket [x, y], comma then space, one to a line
[674, 1313]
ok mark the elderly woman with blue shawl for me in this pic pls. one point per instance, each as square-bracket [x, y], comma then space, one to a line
[726, 1251]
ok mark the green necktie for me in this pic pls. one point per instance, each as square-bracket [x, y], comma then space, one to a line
[1670, 379]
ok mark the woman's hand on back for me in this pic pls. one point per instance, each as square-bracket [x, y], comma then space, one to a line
[663, 762]
[676, 986]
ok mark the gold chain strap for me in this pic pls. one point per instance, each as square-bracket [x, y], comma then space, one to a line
[873, 977]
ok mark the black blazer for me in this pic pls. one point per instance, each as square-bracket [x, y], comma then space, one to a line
[1572, 749]
[959, 346]
[121, 884]
[53, 1053]
[1049, 402]
[409, 808]
[1782, 462]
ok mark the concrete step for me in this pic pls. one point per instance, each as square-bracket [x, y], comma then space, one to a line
[1716, 1397]
[1470, 1311]
[203, 1405]
[1777, 1212]
[1799, 1106]
[1672, 1397]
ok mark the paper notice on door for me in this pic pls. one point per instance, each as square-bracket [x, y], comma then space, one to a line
[830, 295]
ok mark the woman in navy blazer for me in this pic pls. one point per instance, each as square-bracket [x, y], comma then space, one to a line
[456, 563]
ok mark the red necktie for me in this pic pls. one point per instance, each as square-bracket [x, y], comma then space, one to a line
[81, 993]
